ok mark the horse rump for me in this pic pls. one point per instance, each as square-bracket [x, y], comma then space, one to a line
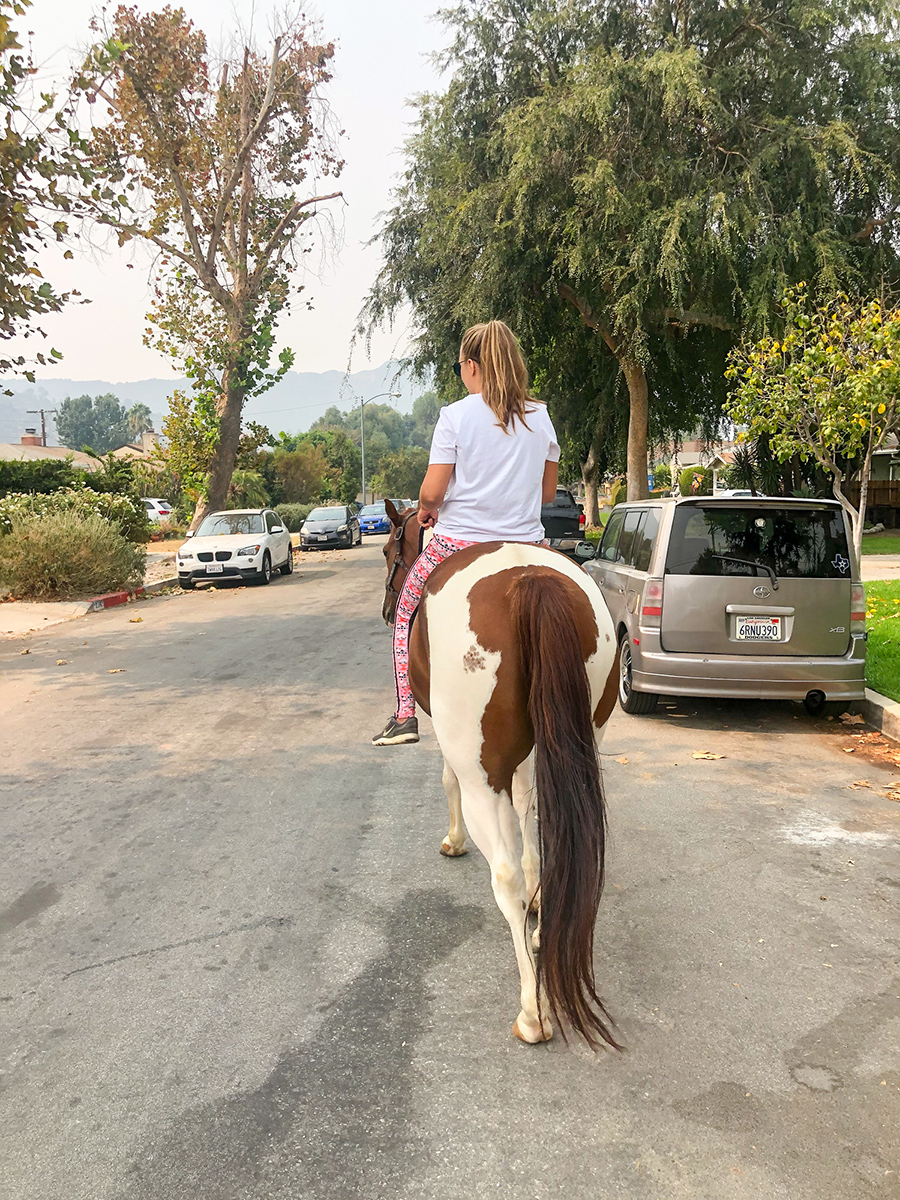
[570, 801]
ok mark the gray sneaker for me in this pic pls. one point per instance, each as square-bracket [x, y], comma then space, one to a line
[396, 732]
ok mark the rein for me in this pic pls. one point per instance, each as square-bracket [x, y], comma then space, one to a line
[400, 538]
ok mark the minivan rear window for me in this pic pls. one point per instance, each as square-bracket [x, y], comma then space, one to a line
[793, 542]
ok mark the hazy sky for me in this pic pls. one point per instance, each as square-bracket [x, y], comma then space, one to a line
[380, 62]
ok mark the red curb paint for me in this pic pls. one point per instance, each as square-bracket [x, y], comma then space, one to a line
[111, 599]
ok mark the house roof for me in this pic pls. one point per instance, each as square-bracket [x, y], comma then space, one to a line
[12, 452]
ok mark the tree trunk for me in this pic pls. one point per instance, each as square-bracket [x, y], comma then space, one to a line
[863, 496]
[221, 467]
[589, 479]
[638, 417]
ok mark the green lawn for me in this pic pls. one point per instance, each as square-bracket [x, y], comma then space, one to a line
[881, 543]
[883, 624]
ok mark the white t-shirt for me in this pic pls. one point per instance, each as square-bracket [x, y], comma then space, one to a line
[495, 490]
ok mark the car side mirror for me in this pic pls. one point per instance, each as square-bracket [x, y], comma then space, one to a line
[190, 533]
[585, 550]
[277, 529]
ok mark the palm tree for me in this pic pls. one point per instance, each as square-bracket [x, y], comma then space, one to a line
[247, 490]
[138, 419]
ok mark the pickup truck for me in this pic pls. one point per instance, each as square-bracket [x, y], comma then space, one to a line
[563, 522]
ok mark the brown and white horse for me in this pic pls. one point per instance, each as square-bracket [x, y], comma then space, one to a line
[513, 655]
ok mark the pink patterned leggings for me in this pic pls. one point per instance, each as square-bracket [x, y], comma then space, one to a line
[435, 552]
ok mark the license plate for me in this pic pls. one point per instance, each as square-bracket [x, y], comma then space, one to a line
[759, 629]
[323, 537]
[214, 568]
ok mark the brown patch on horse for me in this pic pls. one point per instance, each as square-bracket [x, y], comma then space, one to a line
[607, 701]
[508, 735]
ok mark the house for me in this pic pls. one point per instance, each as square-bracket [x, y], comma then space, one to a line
[31, 449]
[142, 449]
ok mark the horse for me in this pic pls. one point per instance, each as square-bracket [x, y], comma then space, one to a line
[513, 655]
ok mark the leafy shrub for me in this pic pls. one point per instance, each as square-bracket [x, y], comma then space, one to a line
[294, 515]
[662, 476]
[43, 475]
[702, 475]
[128, 514]
[618, 492]
[166, 531]
[61, 554]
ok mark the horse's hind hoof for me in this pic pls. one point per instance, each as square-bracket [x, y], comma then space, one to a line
[449, 851]
[531, 1032]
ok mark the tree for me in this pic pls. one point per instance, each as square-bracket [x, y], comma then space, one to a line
[215, 176]
[827, 387]
[247, 490]
[139, 420]
[99, 423]
[38, 150]
[302, 473]
[400, 472]
[425, 412]
[661, 170]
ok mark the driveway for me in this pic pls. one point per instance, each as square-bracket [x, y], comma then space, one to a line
[235, 966]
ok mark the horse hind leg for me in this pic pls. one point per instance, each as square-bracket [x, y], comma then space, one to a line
[454, 844]
[525, 803]
[491, 820]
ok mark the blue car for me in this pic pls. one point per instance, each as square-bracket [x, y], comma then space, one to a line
[374, 519]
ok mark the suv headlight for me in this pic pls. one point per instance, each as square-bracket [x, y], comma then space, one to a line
[184, 555]
[342, 528]
[249, 551]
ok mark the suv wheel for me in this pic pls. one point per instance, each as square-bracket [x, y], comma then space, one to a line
[630, 700]
[265, 574]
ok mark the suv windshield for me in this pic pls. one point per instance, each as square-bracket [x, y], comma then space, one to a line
[219, 524]
[328, 514]
[792, 542]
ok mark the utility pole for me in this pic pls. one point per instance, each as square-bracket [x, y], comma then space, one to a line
[42, 411]
[362, 434]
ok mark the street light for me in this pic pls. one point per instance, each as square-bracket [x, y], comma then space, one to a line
[362, 433]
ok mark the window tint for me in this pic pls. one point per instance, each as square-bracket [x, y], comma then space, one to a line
[271, 521]
[223, 524]
[799, 543]
[149, 506]
[624, 552]
[611, 536]
[644, 540]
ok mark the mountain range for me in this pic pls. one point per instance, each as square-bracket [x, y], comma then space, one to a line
[292, 405]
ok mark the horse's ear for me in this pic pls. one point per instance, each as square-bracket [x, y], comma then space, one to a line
[392, 513]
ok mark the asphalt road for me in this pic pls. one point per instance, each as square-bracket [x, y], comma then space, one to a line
[235, 966]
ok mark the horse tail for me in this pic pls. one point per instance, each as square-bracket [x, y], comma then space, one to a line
[570, 802]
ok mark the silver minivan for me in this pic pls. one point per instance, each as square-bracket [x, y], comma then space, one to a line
[754, 598]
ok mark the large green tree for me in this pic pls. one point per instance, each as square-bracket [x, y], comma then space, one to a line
[212, 162]
[38, 150]
[661, 171]
[97, 422]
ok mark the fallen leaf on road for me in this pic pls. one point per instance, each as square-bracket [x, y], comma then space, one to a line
[623, 760]
[860, 783]
[705, 754]
[61, 662]
[115, 671]
[134, 620]
[849, 749]
[853, 719]
[26, 651]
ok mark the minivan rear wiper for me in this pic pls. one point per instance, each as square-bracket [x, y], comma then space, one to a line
[750, 562]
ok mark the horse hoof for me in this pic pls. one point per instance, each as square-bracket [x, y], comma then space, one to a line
[530, 1032]
[450, 851]
[536, 939]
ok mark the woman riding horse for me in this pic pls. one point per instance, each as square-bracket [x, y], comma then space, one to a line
[494, 460]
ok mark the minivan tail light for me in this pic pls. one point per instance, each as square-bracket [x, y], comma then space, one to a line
[857, 608]
[582, 521]
[651, 607]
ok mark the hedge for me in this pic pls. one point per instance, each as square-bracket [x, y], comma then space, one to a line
[294, 515]
[126, 512]
[42, 475]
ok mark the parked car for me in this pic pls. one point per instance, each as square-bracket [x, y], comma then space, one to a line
[326, 528]
[374, 519]
[755, 598]
[563, 521]
[158, 510]
[249, 543]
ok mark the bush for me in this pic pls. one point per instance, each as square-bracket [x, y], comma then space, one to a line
[126, 512]
[166, 531]
[662, 476]
[44, 475]
[62, 554]
[294, 515]
[689, 475]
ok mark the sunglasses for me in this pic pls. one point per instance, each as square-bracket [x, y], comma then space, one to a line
[457, 367]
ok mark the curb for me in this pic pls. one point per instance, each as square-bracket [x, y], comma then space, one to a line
[883, 713]
[112, 599]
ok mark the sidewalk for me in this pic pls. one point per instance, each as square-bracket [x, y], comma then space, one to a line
[879, 566]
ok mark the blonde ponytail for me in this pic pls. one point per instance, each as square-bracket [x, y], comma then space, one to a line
[504, 377]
